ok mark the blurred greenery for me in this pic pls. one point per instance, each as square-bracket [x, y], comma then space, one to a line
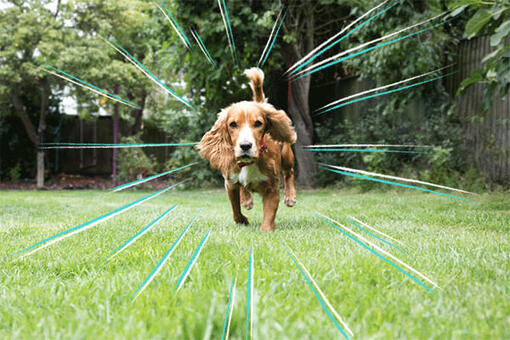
[68, 34]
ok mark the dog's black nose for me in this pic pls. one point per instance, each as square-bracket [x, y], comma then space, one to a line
[245, 146]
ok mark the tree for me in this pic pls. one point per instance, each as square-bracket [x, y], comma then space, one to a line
[67, 37]
[26, 31]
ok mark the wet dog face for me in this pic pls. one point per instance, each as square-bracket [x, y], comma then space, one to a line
[246, 126]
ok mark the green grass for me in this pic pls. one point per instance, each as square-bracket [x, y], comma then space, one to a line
[68, 290]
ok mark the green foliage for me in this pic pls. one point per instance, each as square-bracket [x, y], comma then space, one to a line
[133, 163]
[491, 18]
[15, 173]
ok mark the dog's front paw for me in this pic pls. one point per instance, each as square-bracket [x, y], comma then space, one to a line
[289, 198]
[267, 228]
[241, 220]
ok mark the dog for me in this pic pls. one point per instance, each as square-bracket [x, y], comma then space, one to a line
[250, 143]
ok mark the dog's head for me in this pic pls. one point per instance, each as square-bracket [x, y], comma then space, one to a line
[239, 130]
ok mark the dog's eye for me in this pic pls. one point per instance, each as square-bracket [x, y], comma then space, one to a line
[257, 124]
[233, 125]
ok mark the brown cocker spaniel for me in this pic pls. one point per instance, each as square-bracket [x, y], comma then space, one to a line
[251, 144]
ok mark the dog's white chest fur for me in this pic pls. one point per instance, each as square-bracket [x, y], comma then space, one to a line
[249, 175]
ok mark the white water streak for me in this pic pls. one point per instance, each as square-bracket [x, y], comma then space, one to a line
[366, 145]
[319, 291]
[151, 77]
[226, 28]
[90, 88]
[191, 266]
[173, 26]
[270, 37]
[88, 226]
[231, 308]
[375, 174]
[380, 88]
[299, 62]
[363, 45]
[379, 249]
[375, 230]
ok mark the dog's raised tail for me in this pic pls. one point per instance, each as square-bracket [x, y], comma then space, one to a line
[256, 76]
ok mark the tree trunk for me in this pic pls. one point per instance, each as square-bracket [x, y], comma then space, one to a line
[45, 97]
[299, 90]
[35, 137]
[115, 137]
[300, 113]
[40, 169]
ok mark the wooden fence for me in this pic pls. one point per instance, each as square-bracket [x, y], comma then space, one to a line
[486, 138]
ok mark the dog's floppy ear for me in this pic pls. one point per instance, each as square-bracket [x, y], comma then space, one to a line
[216, 145]
[279, 124]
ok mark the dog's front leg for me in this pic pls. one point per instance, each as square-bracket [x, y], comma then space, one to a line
[271, 199]
[235, 201]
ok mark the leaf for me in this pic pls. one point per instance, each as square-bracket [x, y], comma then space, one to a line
[463, 3]
[501, 32]
[476, 23]
[473, 78]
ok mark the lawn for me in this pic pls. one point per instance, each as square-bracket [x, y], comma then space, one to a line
[68, 290]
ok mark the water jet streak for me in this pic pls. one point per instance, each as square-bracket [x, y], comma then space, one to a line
[87, 225]
[165, 258]
[293, 73]
[194, 258]
[140, 233]
[174, 24]
[143, 180]
[382, 93]
[368, 50]
[325, 304]
[144, 70]
[375, 174]
[318, 48]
